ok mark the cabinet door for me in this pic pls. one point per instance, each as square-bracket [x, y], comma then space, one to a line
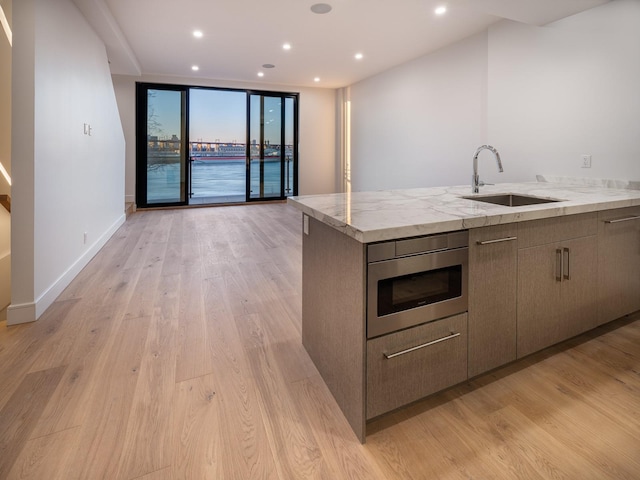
[493, 267]
[557, 295]
[399, 373]
[579, 294]
[539, 298]
[618, 263]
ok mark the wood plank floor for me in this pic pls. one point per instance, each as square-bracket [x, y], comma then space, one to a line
[176, 354]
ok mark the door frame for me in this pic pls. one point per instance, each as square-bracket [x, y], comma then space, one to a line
[142, 90]
[283, 95]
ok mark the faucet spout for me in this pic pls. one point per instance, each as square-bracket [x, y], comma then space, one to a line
[475, 179]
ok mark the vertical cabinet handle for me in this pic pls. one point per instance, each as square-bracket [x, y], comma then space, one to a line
[559, 264]
[567, 270]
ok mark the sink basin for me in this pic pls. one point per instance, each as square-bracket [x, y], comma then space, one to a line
[511, 199]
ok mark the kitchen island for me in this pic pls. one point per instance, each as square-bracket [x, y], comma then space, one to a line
[595, 230]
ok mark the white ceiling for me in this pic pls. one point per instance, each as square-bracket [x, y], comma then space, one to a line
[155, 36]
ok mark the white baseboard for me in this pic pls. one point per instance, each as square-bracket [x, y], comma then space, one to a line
[30, 312]
[22, 313]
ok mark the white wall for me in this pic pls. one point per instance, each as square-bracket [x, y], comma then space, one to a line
[22, 159]
[419, 124]
[567, 89]
[5, 159]
[316, 128]
[317, 162]
[66, 183]
[541, 95]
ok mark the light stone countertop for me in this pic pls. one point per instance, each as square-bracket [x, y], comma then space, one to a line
[392, 214]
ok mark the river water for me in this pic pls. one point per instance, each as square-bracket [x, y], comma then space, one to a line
[216, 180]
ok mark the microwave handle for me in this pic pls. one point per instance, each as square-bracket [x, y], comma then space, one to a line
[428, 344]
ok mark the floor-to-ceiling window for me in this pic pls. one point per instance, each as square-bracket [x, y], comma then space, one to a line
[161, 151]
[217, 131]
[198, 145]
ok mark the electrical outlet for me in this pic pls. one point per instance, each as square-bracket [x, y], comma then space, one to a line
[586, 161]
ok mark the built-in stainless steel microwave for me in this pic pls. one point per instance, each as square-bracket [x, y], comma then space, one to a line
[414, 281]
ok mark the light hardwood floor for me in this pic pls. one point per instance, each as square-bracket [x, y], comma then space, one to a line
[176, 354]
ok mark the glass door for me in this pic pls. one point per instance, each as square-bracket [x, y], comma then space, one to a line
[202, 145]
[272, 139]
[290, 151]
[161, 167]
[265, 134]
[217, 150]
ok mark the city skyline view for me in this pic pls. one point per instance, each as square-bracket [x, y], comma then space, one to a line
[214, 116]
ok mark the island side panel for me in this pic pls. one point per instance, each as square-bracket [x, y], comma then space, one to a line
[333, 316]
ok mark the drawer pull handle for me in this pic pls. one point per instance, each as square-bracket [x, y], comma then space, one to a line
[559, 265]
[637, 217]
[428, 344]
[497, 240]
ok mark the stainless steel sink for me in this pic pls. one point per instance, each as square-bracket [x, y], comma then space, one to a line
[511, 199]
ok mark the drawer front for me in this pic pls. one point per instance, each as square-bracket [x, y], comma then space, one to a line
[557, 229]
[398, 373]
[625, 216]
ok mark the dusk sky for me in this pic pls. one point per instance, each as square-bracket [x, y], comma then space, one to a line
[216, 115]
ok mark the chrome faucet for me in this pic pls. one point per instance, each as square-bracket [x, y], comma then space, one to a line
[476, 183]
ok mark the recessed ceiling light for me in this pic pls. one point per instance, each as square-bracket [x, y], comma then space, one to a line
[441, 10]
[268, 65]
[197, 33]
[359, 56]
[261, 74]
[195, 68]
[317, 79]
[286, 46]
[321, 8]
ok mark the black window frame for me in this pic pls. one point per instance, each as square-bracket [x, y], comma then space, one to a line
[142, 89]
